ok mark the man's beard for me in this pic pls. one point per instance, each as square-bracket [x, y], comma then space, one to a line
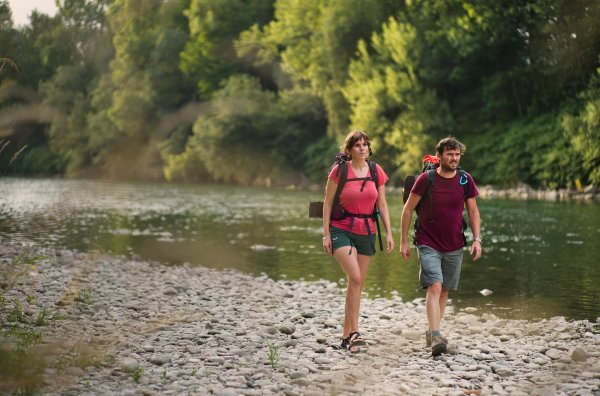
[448, 168]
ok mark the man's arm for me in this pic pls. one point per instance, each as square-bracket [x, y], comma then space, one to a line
[405, 219]
[475, 223]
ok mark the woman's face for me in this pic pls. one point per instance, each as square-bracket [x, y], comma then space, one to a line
[360, 150]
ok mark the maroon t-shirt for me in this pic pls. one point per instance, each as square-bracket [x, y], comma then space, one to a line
[444, 234]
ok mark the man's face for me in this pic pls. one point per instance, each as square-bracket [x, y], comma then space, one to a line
[449, 159]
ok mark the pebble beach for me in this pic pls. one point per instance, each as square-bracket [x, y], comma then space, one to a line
[152, 329]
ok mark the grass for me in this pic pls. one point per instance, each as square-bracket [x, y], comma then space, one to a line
[24, 353]
[164, 377]
[85, 297]
[272, 354]
[137, 374]
[42, 318]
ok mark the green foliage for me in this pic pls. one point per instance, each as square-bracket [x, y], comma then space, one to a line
[251, 137]
[137, 374]
[20, 369]
[272, 354]
[314, 42]
[388, 99]
[209, 56]
[16, 313]
[583, 130]
[281, 82]
[42, 318]
[85, 297]
[164, 377]
[17, 269]
[234, 141]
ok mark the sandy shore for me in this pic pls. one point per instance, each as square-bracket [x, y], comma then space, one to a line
[146, 328]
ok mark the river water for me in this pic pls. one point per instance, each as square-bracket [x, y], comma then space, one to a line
[540, 258]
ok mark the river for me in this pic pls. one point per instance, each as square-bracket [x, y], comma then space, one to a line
[540, 258]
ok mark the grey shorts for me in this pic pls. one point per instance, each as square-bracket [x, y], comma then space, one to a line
[439, 267]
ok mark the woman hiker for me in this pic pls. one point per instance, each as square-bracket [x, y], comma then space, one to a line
[349, 224]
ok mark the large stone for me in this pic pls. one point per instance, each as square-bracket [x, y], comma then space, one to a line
[554, 354]
[578, 354]
[287, 328]
[129, 365]
[160, 359]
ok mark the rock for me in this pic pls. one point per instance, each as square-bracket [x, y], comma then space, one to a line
[160, 359]
[73, 371]
[578, 354]
[198, 341]
[414, 335]
[554, 354]
[287, 328]
[129, 365]
[322, 360]
[170, 291]
[331, 323]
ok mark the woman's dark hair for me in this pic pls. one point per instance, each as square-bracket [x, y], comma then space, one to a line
[450, 143]
[352, 138]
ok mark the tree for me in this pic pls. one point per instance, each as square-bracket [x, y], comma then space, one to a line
[314, 42]
[387, 98]
[209, 56]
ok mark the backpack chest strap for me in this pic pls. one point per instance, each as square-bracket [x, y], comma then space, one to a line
[364, 181]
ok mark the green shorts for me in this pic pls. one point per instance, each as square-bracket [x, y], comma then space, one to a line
[364, 244]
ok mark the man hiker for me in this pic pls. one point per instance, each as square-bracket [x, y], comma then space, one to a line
[439, 196]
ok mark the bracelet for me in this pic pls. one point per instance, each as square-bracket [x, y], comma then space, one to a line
[326, 236]
[477, 240]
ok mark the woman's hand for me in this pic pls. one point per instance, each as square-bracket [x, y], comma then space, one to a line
[390, 242]
[327, 244]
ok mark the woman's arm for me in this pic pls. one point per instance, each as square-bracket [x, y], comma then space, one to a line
[330, 191]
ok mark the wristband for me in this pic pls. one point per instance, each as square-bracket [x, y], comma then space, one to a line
[477, 240]
[326, 236]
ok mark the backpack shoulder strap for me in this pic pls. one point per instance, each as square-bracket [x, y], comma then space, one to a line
[463, 179]
[430, 180]
[343, 172]
[373, 169]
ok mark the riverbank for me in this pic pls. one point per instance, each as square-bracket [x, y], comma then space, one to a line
[521, 192]
[123, 326]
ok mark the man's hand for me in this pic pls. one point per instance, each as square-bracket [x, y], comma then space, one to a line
[475, 250]
[404, 250]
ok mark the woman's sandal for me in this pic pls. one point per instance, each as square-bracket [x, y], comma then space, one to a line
[347, 345]
[352, 342]
[356, 339]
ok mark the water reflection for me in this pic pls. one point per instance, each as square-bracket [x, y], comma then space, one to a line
[539, 261]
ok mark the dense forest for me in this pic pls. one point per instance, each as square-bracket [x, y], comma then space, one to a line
[263, 91]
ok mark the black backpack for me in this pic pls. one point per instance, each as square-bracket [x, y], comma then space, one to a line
[430, 164]
[337, 211]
